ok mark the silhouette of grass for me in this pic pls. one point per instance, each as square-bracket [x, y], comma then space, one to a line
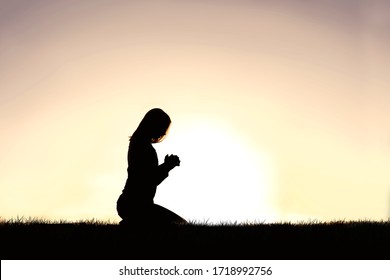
[31, 238]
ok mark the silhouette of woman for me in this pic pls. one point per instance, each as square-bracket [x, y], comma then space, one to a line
[135, 205]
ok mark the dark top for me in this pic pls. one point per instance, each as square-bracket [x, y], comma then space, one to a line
[144, 173]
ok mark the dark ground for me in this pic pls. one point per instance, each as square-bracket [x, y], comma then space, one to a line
[337, 240]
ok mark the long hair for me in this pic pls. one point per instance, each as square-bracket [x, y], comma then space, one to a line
[153, 127]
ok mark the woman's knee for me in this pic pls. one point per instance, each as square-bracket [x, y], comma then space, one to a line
[165, 215]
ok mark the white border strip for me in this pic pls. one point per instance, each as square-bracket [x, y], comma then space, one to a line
[210, 269]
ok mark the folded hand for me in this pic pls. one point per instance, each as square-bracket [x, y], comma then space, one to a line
[172, 161]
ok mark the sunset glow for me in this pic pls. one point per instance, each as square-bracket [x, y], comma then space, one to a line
[280, 109]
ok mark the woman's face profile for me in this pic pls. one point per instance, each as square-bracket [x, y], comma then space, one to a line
[154, 126]
[160, 135]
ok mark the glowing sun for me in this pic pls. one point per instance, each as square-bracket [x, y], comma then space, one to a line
[221, 177]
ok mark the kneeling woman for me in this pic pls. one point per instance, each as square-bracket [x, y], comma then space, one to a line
[135, 205]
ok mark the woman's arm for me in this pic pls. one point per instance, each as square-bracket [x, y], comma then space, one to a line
[143, 162]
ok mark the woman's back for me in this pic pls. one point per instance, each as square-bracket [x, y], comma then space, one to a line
[142, 172]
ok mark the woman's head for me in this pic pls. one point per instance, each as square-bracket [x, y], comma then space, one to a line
[153, 126]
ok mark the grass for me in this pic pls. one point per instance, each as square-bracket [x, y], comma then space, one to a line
[31, 238]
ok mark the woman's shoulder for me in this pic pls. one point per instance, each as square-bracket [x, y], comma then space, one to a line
[140, 144]
[141, 150]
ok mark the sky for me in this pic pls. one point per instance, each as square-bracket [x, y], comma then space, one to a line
[280, 109]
